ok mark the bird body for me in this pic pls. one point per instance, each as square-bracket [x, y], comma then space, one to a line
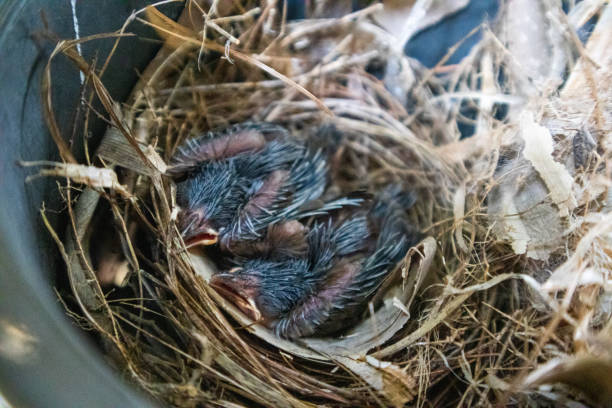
[304, 266]
[224, 143]
[325, 289]
[240, 181]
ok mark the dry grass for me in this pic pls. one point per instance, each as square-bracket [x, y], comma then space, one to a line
[504, 294]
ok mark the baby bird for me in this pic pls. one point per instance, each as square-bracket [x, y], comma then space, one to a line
[222, 144]
[241, 180]
[326, 289]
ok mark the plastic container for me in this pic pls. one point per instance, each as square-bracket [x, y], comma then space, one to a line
[45, 361]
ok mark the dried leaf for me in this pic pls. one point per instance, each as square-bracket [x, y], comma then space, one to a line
[116, 149]
[517, 233]
[589, 374]
[387, 378]
[458, 214]
[538, 150]
[589, 264]
[563, 278]
[91, 176]
[521, 213]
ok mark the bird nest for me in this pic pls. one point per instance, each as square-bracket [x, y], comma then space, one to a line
[508, 291]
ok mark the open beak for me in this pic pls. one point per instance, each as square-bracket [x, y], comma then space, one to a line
[208, 237]
[245, 303]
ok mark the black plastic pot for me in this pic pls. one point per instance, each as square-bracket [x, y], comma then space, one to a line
[45, 361]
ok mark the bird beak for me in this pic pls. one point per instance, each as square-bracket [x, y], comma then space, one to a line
[208, 237]
[222, 284]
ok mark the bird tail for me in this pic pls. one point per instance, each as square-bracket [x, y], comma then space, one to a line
[389, 212]
[396, 236]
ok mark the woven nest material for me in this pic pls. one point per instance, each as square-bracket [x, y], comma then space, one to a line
[510, 288]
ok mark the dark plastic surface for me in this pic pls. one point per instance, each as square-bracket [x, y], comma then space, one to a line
[44, 360]
[431, 45]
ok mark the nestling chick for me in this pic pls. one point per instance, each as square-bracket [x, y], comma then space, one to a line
[222, 144]
[327, 289]
[242, 180]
